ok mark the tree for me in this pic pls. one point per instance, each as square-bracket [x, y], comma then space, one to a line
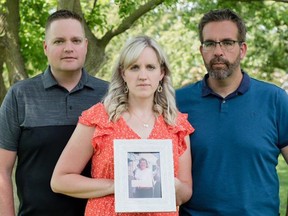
[173, 23]
[10, 46]
[128, 12]
[100, 11]
[176, 29]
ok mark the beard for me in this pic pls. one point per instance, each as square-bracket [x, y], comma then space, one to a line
[222, 73]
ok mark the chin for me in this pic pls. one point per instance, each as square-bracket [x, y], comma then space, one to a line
[145, 96]
[71, 69]
[219, 74]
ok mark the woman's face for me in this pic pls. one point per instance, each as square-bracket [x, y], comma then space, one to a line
[143, 164]
[143, 76]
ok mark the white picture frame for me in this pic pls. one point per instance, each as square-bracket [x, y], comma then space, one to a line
[132, 199]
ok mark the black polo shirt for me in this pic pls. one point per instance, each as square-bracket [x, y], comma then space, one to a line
[37, 118]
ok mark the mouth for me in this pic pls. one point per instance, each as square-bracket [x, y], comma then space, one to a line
[68, 58]
[218, 64]
[218, 61]
[143, 85]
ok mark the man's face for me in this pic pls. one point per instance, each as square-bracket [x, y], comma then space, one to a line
[220, 62]
[65, 46]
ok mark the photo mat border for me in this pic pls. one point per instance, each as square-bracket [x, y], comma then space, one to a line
[167, 203]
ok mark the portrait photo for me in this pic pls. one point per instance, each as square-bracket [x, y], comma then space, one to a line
[144, 176]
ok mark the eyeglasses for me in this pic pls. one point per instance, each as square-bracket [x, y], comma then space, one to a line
[225, 45]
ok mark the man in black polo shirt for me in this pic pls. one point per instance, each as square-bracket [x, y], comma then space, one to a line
[38, 115]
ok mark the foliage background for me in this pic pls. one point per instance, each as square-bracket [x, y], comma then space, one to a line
[173, 24]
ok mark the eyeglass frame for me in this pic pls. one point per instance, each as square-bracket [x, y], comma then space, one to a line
[220, 44]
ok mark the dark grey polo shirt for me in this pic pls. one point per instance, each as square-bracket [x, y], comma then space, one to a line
[37, 117]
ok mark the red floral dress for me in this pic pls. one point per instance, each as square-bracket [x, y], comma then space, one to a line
[103, 159]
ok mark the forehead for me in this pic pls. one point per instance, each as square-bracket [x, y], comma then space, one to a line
[65, 27]
[220, 30]
[148, 54]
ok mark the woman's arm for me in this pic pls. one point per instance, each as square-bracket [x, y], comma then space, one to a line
[183, 184]
[67, 178]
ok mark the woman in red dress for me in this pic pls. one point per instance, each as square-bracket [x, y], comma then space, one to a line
[140, 104]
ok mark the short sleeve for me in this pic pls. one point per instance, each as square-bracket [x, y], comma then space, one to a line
[182, 129]
[97, 117]
[282, 116]
[94, 116]
[9, 125]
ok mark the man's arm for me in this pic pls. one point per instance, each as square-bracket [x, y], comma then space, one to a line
[284, 152]
[7, 161]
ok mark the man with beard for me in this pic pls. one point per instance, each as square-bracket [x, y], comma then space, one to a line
[241, 127]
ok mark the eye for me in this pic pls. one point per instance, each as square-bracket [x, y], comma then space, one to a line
[77, 41]
[58, 41]
[228, 43]
[134, 68]
[151, 67]
[209, 43]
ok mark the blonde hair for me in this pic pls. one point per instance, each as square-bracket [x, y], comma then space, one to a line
[116, 101]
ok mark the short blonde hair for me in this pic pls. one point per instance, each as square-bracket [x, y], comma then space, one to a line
[116, 101]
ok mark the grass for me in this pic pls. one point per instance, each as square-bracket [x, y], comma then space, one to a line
[282, 170]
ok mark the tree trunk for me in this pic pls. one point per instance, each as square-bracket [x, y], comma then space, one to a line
[96, 47]
[96, 52]
[2, 48]
[2, 85]
[13, 57]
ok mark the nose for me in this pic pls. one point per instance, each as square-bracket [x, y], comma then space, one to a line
[68, 47]
[143, 74]
[218, 50]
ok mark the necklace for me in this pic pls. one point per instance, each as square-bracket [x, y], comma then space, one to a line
[144, 124]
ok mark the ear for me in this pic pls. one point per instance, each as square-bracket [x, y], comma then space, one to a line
[201, 50]
[45, 47]
[162, 76]
[163, 72]
[122, 73]
[243, 50]
[86, 45]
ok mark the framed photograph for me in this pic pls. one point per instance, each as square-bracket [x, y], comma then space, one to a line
[144, 176]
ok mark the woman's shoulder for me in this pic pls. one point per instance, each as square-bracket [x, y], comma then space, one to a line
[181, 122]
[94, 115]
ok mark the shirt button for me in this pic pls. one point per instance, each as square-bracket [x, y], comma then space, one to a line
[223, 101]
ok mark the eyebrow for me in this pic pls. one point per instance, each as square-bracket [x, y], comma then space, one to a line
[220, 40]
